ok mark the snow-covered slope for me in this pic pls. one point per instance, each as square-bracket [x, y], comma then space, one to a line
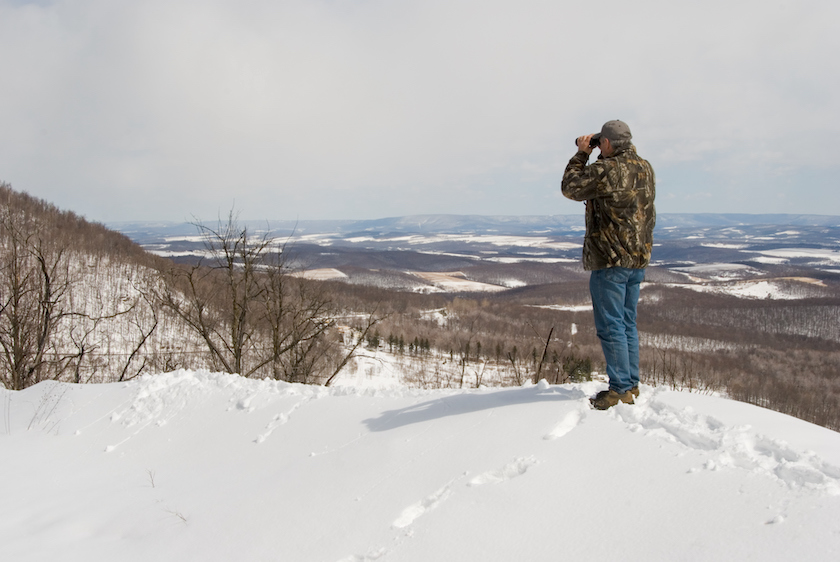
[211, 467]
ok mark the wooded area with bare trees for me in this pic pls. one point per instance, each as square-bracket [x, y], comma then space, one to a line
[84, 304]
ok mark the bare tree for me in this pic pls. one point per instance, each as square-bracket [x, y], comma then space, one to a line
[372, 320]
[145, 334]
[255, 317]
[217, 300]
[34, 280]
[299, 328]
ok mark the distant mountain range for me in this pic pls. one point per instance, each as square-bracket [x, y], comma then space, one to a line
[525, 225]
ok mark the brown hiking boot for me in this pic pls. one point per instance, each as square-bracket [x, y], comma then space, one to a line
[609, 398]
[635, 391]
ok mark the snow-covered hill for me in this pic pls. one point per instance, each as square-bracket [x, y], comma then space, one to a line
[199, 466]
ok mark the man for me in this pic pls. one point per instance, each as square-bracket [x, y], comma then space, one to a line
[619, 189]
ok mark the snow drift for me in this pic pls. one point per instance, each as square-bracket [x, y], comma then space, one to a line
[201, 466]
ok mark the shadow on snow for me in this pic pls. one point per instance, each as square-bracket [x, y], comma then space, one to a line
[455, 405]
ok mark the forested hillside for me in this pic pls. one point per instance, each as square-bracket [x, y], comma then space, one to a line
[81, 303]
[74, 297]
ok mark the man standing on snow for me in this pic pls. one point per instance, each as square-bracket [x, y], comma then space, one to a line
[619, 189]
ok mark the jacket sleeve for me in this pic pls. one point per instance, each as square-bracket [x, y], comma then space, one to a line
[582, 182]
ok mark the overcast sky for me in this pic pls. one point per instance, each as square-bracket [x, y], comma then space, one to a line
[321, 109]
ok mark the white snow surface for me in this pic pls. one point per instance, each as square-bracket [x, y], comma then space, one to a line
[194, 465]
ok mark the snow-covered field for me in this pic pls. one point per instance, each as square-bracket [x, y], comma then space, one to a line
[566, 307]
[211, 467]
[781, 288]
[823, 255]
[456, 282]
[322, 274]
[426, 239]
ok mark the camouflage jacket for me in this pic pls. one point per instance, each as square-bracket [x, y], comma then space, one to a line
[619, 191]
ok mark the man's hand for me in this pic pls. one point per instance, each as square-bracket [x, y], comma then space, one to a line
[583, 143]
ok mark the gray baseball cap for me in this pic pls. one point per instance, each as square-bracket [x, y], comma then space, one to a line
[614, 131]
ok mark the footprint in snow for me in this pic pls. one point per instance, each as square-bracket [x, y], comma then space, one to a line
[569, 422]
[511, 470]
[278, 420]
[733, 447]
[414, 511]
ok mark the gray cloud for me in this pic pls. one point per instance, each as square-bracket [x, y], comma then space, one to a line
[327, 109]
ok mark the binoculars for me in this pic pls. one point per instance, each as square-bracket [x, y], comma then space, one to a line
[593, 142]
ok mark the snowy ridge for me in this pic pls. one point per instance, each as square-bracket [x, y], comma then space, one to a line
[198, 465]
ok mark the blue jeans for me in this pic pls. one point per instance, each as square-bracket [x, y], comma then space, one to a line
[615, 294]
